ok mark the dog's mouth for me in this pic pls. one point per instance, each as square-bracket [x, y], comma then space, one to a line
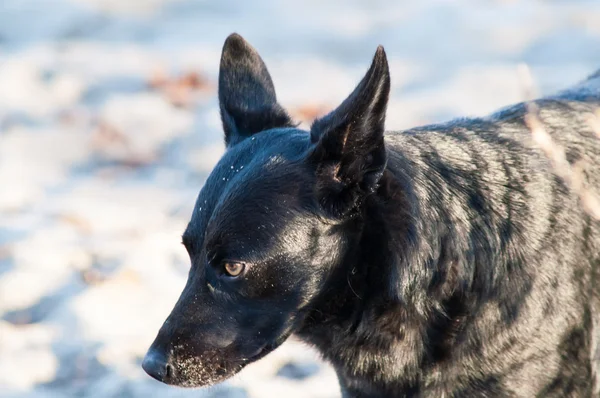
[261, 352]
[265, 349]
[208, 368]
[257, 354]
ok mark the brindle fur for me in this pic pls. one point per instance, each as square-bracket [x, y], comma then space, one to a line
[442, 261]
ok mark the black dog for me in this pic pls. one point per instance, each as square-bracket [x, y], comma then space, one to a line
[443, 261]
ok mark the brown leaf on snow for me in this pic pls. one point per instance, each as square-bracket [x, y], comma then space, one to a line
[127, 276]
[80, 223]
[180, 90]
[108, 139]
[309, 112]
[94, 276]
[107, 135]
[5, 252]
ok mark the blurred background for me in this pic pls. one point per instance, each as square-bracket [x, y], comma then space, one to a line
[109, 125]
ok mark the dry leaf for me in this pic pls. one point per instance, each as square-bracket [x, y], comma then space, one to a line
[309, 112]
[181, 90]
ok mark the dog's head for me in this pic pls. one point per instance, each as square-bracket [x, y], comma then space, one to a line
[272, 222]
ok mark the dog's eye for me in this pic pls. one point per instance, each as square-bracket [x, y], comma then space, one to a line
[234, 269]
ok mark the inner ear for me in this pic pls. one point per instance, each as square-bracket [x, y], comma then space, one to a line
[247, 97]
[349, 149]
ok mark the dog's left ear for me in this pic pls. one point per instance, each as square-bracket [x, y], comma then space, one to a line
[349, 149]
[246, 93]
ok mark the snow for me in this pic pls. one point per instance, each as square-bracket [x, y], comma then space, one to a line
[109, 125]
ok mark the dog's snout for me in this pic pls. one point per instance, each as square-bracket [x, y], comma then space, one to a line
[157, 366]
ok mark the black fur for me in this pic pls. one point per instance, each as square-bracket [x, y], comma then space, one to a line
[442, 261]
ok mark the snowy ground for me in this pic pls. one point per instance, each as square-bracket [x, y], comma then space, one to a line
[109, 125]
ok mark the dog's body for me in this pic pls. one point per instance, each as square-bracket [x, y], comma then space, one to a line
[491, 255]
[448, 260]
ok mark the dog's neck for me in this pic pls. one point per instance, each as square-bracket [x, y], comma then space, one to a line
[424, 290]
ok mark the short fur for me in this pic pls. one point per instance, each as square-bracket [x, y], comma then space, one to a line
[443, 261]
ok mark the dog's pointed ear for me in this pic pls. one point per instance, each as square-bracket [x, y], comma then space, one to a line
[349, 149]
[246, 93]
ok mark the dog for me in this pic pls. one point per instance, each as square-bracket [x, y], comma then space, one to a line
[448, 260]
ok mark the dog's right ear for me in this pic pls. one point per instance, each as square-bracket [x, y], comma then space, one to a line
[246, 93]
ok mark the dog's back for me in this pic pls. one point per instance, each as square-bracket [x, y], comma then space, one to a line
[514, 203]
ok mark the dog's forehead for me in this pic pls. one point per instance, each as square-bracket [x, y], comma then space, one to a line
[249, 179]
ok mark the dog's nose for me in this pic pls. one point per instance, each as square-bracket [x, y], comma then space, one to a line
[157, 366]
